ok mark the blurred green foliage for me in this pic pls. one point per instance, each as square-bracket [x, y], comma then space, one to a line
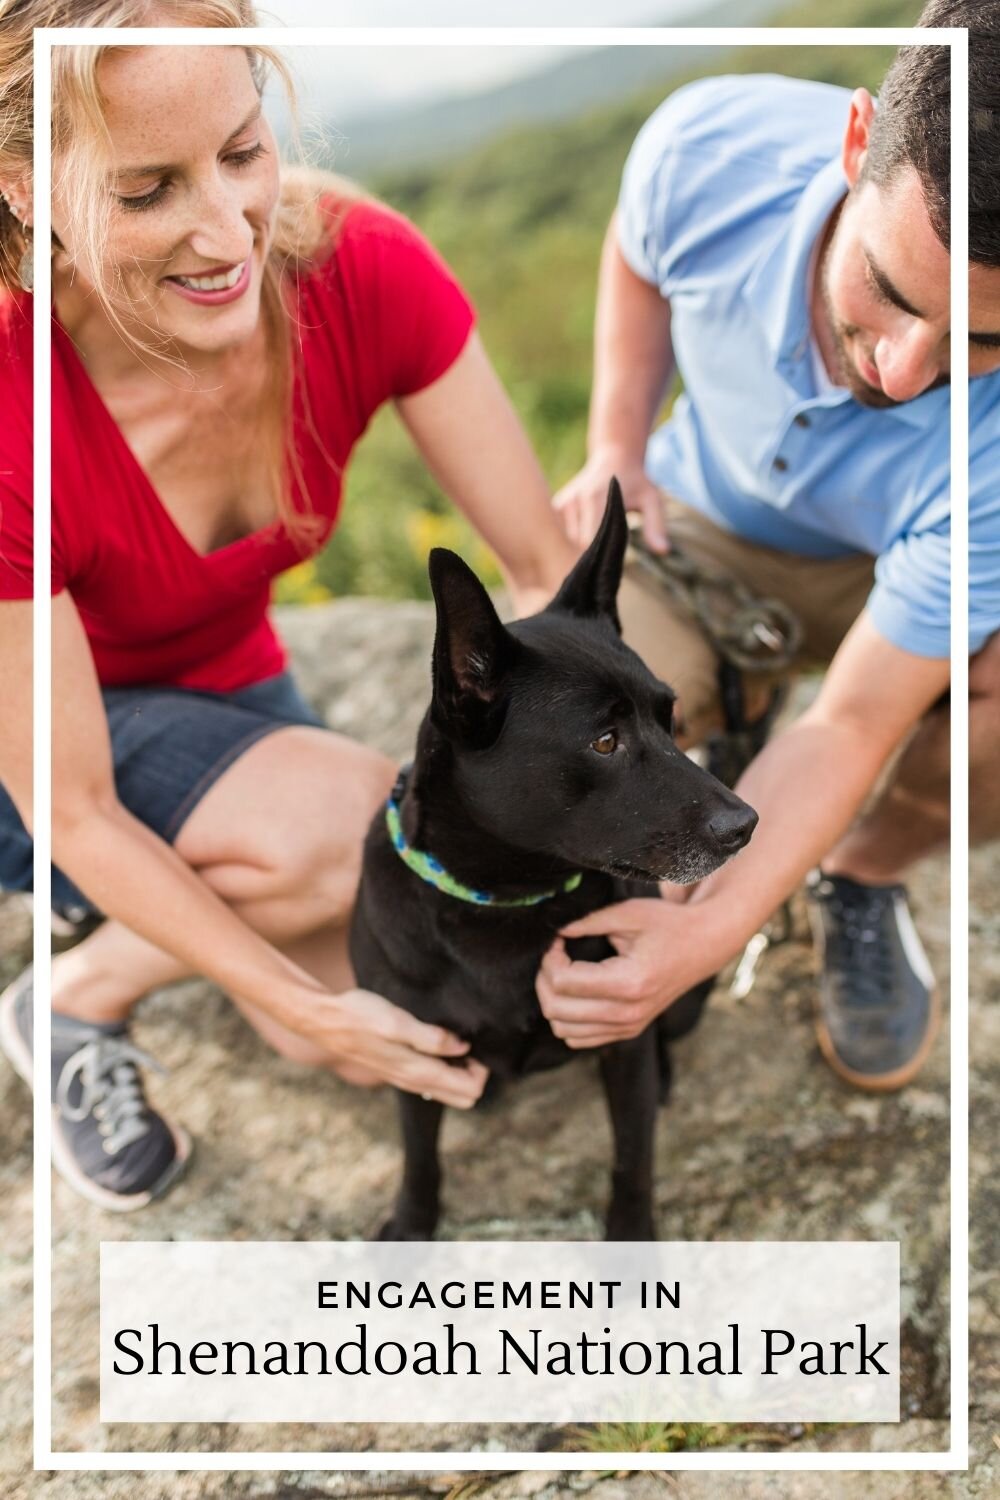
[521, 221]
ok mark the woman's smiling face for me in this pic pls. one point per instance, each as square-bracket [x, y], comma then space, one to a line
[193, 183]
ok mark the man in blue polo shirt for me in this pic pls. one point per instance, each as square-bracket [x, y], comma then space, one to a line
[783, 245]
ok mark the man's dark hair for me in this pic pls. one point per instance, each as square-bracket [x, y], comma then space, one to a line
[912, 123]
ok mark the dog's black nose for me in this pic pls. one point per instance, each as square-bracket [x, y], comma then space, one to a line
[731, 828]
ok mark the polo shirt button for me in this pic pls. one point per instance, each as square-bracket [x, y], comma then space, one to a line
[801, 420]
[781, 464]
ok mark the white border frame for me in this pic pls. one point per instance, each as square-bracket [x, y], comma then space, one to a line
[957, 1456]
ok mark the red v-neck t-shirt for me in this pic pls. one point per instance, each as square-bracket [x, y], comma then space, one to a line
[381, 317]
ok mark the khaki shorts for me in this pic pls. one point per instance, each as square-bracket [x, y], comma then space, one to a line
[826, 594]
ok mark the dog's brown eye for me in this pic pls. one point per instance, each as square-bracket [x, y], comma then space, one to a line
[605, 744]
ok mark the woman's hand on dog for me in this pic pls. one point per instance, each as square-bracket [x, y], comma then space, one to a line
[580, 503]
[660, 955]
[371, 1041]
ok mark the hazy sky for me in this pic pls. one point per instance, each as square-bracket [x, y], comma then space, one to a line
[380, 76]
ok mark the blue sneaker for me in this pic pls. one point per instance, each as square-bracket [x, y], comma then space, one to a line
[107, 1142]
[878, 1007]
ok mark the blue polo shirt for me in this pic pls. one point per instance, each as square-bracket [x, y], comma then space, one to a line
[724, 196]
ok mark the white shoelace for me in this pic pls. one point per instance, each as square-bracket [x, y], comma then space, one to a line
[111, 1089]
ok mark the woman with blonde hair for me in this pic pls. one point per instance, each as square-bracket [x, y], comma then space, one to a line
[223, 330]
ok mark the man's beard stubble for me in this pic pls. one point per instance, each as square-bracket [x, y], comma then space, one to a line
[847, 372]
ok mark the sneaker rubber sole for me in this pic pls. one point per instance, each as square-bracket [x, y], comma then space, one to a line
[882, 1083]
[875, 1083]
[20, 1058]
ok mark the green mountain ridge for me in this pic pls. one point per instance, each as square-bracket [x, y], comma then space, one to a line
[420, 135]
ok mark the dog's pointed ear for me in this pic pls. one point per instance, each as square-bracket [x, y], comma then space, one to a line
[592, 587]
[473, 652]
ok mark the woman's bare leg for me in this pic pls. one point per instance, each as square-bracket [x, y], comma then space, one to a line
[279, 838]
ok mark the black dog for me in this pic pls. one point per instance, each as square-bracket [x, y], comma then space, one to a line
[546, 784]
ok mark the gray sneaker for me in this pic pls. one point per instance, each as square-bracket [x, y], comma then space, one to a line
[106, 1141]
[878, 1006]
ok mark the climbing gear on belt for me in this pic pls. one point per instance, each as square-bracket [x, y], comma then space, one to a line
[751, 633]
[731, 751]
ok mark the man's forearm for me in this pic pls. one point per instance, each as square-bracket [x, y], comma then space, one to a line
[633, 356]
[810, 782]
[807, 786]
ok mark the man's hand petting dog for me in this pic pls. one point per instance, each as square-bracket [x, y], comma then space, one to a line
[375, 1042]
[658, 958]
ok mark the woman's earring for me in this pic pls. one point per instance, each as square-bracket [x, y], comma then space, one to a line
[26, 265]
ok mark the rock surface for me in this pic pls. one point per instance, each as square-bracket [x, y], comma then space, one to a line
[760, 1141]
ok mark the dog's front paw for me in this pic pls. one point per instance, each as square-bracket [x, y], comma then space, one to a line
[398, 1228]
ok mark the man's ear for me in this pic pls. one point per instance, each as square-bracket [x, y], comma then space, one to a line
[592, 587]
[473, 653]
[856, 136]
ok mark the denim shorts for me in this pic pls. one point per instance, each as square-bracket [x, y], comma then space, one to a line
[169, 746]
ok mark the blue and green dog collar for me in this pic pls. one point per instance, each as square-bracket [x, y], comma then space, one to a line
[434, 873]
